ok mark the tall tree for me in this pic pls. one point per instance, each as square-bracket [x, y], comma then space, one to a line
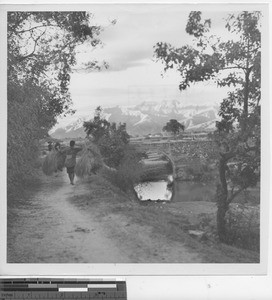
[234, 63]
[41, 52]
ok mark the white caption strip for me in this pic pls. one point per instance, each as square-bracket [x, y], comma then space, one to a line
[73, 289]
[102, 286]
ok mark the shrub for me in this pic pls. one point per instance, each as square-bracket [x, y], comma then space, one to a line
[22, 138]
[112, 148]
[200, 171]
[129, 171]
[110, 138]
[243, 226]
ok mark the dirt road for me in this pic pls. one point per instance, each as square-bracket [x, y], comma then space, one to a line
[62, 223]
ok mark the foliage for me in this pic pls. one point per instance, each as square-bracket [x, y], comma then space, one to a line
[130, 170]
[243, 227]
[41, 52]
[234, 63]
[123, 167]
[173, 126]
[202, 172]
[42, 48]
[113, 145]
[97, 127]
[111, 139]
[21, 134]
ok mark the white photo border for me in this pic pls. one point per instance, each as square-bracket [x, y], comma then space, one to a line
[233, 281]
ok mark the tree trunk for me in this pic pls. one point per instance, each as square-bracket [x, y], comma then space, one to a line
[222, 200]
[246, 96]
[246, 93]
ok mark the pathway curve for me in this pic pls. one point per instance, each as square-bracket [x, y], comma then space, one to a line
[48, 228]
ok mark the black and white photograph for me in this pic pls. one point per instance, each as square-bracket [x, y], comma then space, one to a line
[134, 134]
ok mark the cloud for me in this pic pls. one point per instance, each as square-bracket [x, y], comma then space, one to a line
[122, 65]
[128, 49]
[139, 27]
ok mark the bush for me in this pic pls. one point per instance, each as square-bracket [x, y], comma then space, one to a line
[200, 171]
[112, 149]
[22, 138]
[110, 138]
[243, 226]
[123, 167]
[129, 171]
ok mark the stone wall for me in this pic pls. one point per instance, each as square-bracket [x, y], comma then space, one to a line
[183, 154]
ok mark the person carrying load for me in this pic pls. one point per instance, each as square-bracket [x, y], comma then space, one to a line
[70, 160]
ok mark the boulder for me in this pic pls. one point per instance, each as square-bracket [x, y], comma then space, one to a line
[197, 234]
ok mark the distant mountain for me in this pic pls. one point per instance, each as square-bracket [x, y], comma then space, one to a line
[149, 118]
[73, 130]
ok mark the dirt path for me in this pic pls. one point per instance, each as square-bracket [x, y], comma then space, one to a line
[50, 228]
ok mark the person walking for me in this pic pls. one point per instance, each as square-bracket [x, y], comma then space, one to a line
[70, 160]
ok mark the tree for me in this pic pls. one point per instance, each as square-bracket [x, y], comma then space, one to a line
[234, 63]
[113, 143]
[41, 52]
[98, 127]
[111, 139]
[173, 126]
[42, 49]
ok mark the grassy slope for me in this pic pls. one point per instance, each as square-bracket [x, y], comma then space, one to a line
[171, 220]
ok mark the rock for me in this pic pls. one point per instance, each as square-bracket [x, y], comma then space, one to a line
[197, 234]
[79, 229]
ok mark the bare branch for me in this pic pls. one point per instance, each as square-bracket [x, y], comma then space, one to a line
[35, 27]
[35, 46]
[237, 67]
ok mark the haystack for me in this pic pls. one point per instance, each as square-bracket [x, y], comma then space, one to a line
[50, 163]
[90, 161]
[61, 157]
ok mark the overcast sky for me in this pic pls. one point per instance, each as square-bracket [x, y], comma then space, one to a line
[133, 75]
